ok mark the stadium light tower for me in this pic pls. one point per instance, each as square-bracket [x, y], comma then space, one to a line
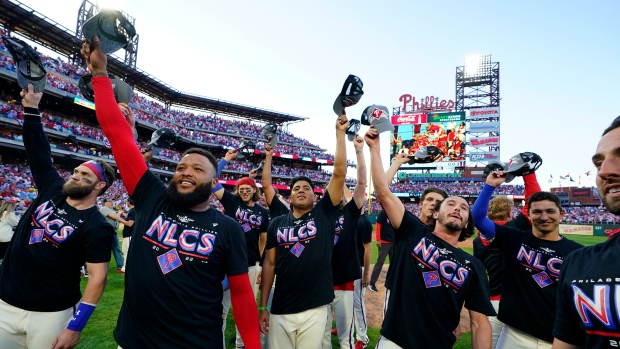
[477, 91]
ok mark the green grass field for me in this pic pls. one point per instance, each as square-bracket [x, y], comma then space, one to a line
[98, 332]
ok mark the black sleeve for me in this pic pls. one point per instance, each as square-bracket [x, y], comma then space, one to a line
[520, 222]
[38, 149]
[236, 256]
[367, 231]
[567, 321]
[265, 222]
[478, 293]
[277, 208]
[409, 225]
[230, 203]
[131, 216]
[149, 191]
[327, 207]
[99, 243]
[271, 234]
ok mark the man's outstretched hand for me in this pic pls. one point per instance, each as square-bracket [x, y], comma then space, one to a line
[96, 61]
[30, 99]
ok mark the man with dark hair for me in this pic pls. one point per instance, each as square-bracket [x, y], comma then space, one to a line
[128, 230]
[588, 292]
[500, 212]
[432, 277]
[182, 248]
[254, 219]
[299, 249]
[61, 230]
[532, 260]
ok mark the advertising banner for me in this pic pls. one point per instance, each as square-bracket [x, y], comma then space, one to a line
[484, 156]
[484, 141]
[576, 229]
[446, 131]
[605, 229]
[483, 113]
[483, 127]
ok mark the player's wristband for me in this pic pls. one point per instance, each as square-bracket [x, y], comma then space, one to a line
[263, 308]
[80, 317]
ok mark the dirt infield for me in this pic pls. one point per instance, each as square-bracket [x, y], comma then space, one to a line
[374, 300]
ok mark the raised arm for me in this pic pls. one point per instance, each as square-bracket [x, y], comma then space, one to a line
[218, 190]
[481, 206]
[268, 190]
[340, 161]
[359, 193]
[391, 204]
[397, 162]
[128, 158]
[531, 187]
[35, 140]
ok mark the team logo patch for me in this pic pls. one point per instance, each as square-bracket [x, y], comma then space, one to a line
[246, 227]
[297, 249]
[542, 279]
[431, 279]
[169, 261]
[36, 235]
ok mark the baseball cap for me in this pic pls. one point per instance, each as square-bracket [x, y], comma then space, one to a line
[245, 148]
[161, 138]
[495, 165]
[270, 131]
[111, 27]
[522, 164]
[350, 94]
[30, 70]
[122, 91]
[425, 154]
[379, 116]
[354, 128]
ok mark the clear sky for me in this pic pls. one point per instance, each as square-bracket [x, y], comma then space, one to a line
[559, 61]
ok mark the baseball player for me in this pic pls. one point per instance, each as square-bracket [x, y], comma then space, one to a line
[40, 304]
[244, 208]
[432, 277]
[364, 238]
[588, 293]
[345, 263]
[299, 249]
[533, 260]
[500, 212]
[182, 248]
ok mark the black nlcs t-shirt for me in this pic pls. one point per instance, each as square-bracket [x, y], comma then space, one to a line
[178, 261]
[345, 265]
[364, 236]
[387, 231]
[388, 274]
[588, 313]
[492, 258]
[431, 281]
[254, 220]
[304, 248]
[53, 240]
[131, 216]
[277, 208]
[529, 293]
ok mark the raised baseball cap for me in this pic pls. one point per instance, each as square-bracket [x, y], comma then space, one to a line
[494, 165]
[161, 138]
[122, 91]
[245, 149]
[350, 94]
[379, 116]
[354, 128]
[112, 28]
[270, 132]
[30, 69]
[522, 164]
[425, 154]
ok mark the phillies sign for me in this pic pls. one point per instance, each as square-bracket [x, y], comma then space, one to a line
[483, 156]
[409, 119]
[426, 104]
[484, 141]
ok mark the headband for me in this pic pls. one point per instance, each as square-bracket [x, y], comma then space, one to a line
[96, 168]
[246, 181]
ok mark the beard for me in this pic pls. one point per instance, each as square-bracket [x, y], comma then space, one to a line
[197, 196]
[450, 225]
[74, 190]
[545, 231]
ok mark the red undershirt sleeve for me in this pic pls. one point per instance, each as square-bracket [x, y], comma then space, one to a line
[531, 187]
[128, 158]
[378, 231]
[245, 310]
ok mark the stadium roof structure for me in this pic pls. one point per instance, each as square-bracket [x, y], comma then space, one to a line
[35, 26]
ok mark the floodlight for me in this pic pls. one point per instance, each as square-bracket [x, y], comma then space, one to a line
[477, 66]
